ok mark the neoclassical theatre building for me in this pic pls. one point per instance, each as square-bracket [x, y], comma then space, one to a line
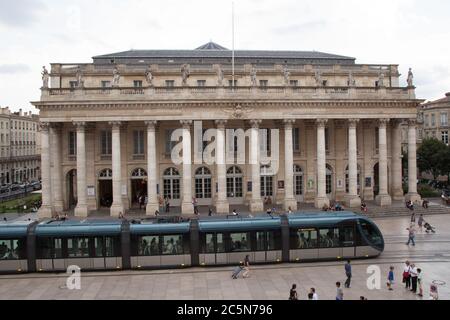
[106, 130]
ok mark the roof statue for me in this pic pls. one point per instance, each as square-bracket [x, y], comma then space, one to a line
[149, 76]
[286, 75]
[219, 76]
[253, 76]
[410, 78]
[381, 80]
[185, 73]
[318, 78]
[79, 75]
[45, 77]
[116, 77]
[351, 80]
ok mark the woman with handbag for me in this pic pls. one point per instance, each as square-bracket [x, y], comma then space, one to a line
[407, 275]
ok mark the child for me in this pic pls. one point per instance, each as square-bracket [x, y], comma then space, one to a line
[390, 278]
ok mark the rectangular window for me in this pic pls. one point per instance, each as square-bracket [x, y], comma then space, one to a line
[427, 119]
[263, 83]
[106, 142]
[265, 140]
[73, 84]
[329, 238]
[77, 247]
[347, 237]
[445, 137]
[137, 83]
[377, 138]
[433, 120]
[201, 83]
[148, 246]
[138, 142]
[230, 83]
[72, 143]
[296, 139]
[170, 83]
[293, 83]
[170, 144]
[240, 242]
[209, 243]
[304, 239]
[327, 140]
[172, 244]
[106, 84]
[444, 119]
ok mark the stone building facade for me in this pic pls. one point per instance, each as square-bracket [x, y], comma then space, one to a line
[19, 147]
[434, 116]
[106, 129]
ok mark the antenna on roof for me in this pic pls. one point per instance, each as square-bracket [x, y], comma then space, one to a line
[232, 45]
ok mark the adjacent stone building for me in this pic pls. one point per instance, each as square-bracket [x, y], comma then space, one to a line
[19, 147]
[435, 119]
[107, 128]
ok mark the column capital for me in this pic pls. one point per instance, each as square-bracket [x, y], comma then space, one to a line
[396, 122]
[45, 126]
[255, 123]
[80, 125]
[288, 123]
[151, 124]
[220, 123]
[412, 122]
[186, 123]
[56, 126]
[353, 123]
[321, 123]
[115, 124]
[382, 123]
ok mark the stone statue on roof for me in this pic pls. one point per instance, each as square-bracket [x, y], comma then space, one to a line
[381, 80]
[116, 77]
[351, 80]
[219, 76]
[253, 76]
[286, 75]
[79, 75]
[149, 76]
[185, 73]
[410, 78]
[318, 78]
[45, 77]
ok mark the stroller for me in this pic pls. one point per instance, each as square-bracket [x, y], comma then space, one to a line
[429, 228]
[236, 271]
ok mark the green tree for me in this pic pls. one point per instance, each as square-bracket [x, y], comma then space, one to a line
[429, 156]
[444, 162]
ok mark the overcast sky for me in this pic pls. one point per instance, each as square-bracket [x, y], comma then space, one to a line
[33, 33]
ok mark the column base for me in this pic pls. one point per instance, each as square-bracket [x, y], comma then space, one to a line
[320, 202]
[352, 201]
[398, 196]
[256, 206]
[151, 208]
[116, 210]
[413, 197]
[383, 200]
[81, 211]
[222, 207]
[187, 208]
[290, 203]
[45, 212]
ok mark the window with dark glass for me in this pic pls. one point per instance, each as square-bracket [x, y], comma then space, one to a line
[347, 237]
[201, 83]
[172, 244]
[149, 246]
[106, 142]
[12, 249]
[138, 142]
[137, 83]
[329, 238]
[293, 83]
[304, 239]
[296, 139]
[240, 242]
[170, 83]
[72, 143]
[78, 247]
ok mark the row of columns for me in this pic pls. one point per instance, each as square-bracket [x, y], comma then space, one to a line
[53, 153]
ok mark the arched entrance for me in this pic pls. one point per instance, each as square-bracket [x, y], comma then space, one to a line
[235, 185]
[71, 189]
[298, 183]
[138, 186]
[267, 183]
[376, 179]
[203, 191]
[171, 179]
[105, 190]
[329, 179]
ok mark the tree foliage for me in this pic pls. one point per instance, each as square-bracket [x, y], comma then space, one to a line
[433, 156]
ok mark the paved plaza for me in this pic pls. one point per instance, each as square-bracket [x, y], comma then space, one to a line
[432, 254]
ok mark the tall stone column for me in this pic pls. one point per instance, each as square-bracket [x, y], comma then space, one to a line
[321, 197]
[57, 186]
[352, 198]
[152, 204]
[117, 205]
[396, 172]
[383, 198]
[222, 205]
[412, 162]
[289, 199]
[46, 210]
[256, 204]
[186, 205]
[81, 210]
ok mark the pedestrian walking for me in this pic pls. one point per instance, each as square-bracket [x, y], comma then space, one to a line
[390, 278]
[314, 294]
[339, 292]
[348, 273]
[420, 281]
[210, 212]
[246, 273]
[161, 203]
[407, 275]
[194, 203]
[420, 222]
[414, 276]
[413, 218]
[167, 203]
[411, 235]
[293, 293]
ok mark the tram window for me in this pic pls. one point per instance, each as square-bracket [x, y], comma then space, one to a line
[347, 237]
[98, 244]
[371, 234]
[209, 243]
[220, 243]
[172, 244]
[260, 240]
[273, 240]
[240, 241]
[45, 248]
[110, 247]
[149, 246]
[10, 250]
[77, 247]
[329, 238]
[304, 239]
[57, 247]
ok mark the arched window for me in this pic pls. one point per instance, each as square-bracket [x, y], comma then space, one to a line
[266, 181]
[329, 179]
[203, 183]
[347, 184]
[171, 180]
[105, 174]
[234, 182]
[298, 180]
[138, 173]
